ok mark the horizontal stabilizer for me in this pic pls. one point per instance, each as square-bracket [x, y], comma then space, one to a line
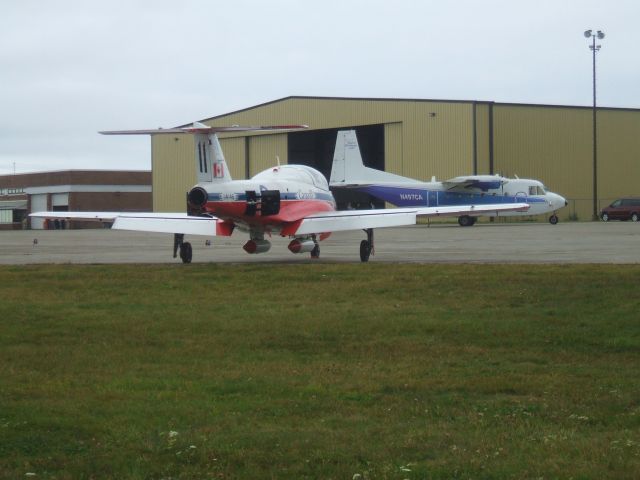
[200, 128]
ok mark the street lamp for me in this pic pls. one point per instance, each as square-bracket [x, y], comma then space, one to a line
[594, 48]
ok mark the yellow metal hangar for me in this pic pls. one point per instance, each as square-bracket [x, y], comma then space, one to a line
[425, 138]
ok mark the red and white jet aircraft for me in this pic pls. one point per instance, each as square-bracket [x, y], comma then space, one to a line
[289, 200]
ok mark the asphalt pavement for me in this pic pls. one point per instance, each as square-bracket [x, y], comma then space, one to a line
[571, 242]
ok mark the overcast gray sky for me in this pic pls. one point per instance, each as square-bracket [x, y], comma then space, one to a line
[72, 67]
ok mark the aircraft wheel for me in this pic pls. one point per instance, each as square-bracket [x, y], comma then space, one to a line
[315, 253]
[553, 219]
[466, 221]
[365, 250]
[186, 252]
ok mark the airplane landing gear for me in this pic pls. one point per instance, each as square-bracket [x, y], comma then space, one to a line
[466, 221]
[366, 246]
[315, 253]
[553, 219]
[186, 252]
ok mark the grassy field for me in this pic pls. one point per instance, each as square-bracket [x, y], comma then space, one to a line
[320, 371]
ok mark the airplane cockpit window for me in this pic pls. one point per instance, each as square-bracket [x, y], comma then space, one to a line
[535, 190]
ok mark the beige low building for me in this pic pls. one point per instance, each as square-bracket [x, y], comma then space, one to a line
[426, 138]
[70, 190]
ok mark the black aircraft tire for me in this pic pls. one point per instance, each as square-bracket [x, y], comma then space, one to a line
[186, 252]
[365, 251]
[466, 221]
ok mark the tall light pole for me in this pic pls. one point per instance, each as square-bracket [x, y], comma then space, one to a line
[594, 48]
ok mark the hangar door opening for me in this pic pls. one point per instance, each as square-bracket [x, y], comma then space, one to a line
[315, 149]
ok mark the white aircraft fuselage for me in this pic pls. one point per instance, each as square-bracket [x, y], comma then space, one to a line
[348, 171]
[481, 189]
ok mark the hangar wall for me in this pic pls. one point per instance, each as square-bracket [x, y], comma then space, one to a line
[422, 138]
[618, 153]
[555, 144]
[425, 138]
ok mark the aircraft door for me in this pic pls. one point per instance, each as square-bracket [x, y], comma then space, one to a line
[432, 199]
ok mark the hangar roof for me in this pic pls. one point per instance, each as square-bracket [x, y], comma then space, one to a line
[416, 100]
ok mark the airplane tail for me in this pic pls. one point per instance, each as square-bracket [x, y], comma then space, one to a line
[211, 166]
[348, 169]
[209, 160]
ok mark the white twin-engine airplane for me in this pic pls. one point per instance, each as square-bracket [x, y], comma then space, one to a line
[348, 171]
[290, 200]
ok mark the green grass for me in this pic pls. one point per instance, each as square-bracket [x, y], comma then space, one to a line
[320, 371]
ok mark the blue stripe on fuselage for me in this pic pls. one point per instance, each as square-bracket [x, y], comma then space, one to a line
[413, 197]
[242, 196]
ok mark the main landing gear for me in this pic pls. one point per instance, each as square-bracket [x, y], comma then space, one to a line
[466, 221]
[186, 252]
[366, 246]
[315, 253]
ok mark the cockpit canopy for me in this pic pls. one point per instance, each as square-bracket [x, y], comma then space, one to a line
[296, 173]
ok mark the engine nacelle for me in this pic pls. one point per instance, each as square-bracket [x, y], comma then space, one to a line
[197, 197]
[301, 246]
[257, 246]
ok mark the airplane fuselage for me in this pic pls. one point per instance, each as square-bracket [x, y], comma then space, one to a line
[433, 194]
[269, 201]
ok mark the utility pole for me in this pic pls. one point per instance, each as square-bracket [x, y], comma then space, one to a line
[594, 48]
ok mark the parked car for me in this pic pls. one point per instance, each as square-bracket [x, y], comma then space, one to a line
[622, 209]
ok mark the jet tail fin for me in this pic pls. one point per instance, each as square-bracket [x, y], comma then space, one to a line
[209, 160]
[211, 166]
[348, 168]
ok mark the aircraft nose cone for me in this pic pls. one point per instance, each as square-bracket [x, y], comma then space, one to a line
[558, 201]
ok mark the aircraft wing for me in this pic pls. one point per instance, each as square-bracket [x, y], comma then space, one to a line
[333, 221]
[473, 182]
[394, 217]
[198, 127]
[144, 222]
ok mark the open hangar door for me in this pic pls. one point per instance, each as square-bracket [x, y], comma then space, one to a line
[315, 148]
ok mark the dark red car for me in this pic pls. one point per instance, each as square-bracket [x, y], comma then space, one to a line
[622, 209]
